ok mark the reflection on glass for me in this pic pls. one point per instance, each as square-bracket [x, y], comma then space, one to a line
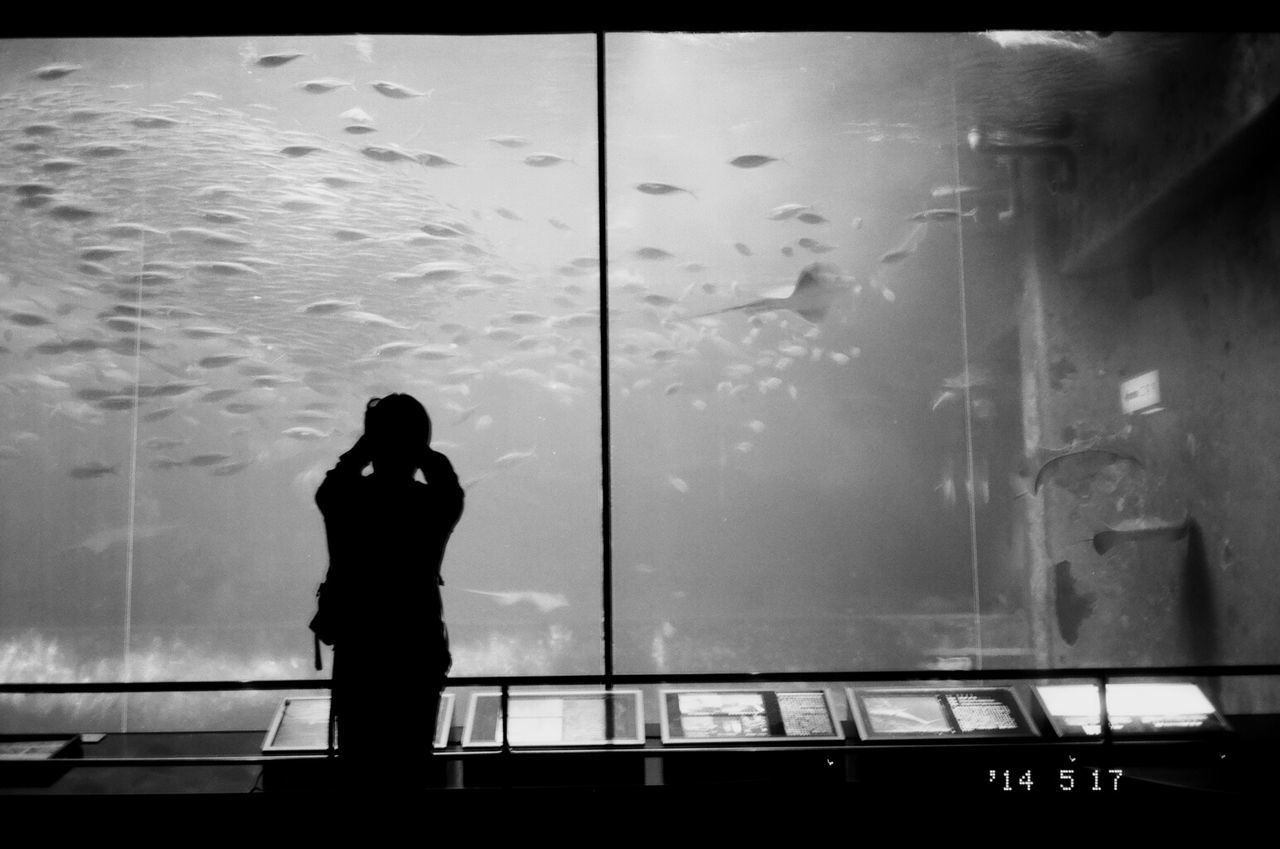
[214, 252]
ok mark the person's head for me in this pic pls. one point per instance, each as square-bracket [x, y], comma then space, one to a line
[398, 430]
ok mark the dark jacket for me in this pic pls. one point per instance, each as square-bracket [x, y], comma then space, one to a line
[386, 544]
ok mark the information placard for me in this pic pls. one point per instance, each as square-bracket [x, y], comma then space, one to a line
[569, 718]
[301, 725]
[756, 716]
[33, 749]
[1170, 707]
[905, 713]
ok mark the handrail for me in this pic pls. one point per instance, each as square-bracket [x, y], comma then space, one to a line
[1019, 674]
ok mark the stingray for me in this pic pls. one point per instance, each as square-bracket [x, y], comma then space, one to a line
[817, 287]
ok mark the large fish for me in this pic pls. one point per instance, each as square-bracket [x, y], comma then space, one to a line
[816, 289]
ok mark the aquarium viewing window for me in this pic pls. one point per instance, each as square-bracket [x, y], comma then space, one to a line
[752, 352]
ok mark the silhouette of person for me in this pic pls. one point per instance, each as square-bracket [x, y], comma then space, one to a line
[387, 534]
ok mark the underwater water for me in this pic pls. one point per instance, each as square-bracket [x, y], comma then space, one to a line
[214, 251]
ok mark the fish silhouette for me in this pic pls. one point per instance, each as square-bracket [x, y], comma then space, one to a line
[1104, 541]
[1104, 452]
[817, 287]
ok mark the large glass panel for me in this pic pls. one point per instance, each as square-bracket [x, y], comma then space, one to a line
[1023, 415]
[785, 318]
[215, 251]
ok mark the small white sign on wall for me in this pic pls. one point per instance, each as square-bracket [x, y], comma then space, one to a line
[1141, 394]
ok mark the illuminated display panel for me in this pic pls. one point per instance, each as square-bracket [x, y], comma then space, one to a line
[300, 725]
[33, 749]
[1137, 708]
[726, 716]
[560, 718]
[913, 713]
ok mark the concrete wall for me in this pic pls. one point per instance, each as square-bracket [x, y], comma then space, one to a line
[1200, 303]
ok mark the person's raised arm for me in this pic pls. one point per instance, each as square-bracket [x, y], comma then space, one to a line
[441, 477]
[350, 464]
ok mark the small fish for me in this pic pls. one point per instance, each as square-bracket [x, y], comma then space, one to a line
[275, 60]
[558, 224]
[1104, 541]
[757, 425]
[241, 408]
[230, 468]
[298, 150]
[896, 255]
[544, 160]
[219, 216]
[484, 422]
[787, 251]
[949, 191]
[68, 211]
[1102, 452]
[512, 458]
[55, 72]
[154, 122]
[751, 161]
[304, 433]
[787, 210]
[811, 218]
[653, 253]
[396, 91]
[164, 442]
[509, 141]
[434, 160]
[28, 319]
[93, 470]
[207, 459]
[742, 249]
[942, 215]
[507, 214]
[677, 483]
[662, 189]
[220, 360]
[323, 86]
[380, 153]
